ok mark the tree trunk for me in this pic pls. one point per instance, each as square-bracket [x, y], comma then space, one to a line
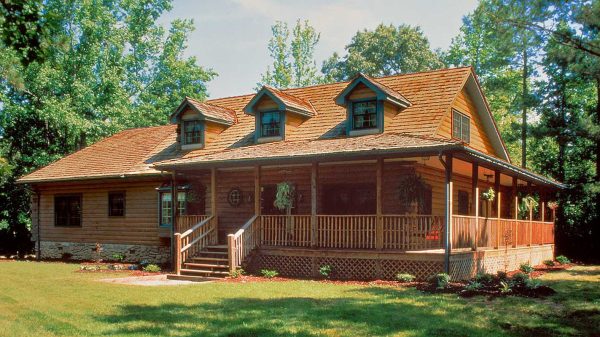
[598, 123]
[524, 113]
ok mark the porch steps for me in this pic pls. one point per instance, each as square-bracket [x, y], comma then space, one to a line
[210, 263]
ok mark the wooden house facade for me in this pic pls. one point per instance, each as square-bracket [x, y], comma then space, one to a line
[388, 175]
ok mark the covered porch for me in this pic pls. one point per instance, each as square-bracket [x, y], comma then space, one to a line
[354, 209]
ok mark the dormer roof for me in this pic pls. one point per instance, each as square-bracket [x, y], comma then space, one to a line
[382, 91]
[285, 101]
[207, 111]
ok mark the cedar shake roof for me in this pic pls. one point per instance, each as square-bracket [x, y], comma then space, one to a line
[396, 96]
[383, 142]
[291, 102]
[211, 112]
[127, 153]
[133, 152]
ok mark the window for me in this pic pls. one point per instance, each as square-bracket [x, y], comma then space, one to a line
[166, 207]
[67, 211]
[116, 204]
[270, 124]
[192, 132]
[461, 126]
[364, 115]
[463, 202]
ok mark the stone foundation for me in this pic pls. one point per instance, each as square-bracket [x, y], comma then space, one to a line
[87, 251]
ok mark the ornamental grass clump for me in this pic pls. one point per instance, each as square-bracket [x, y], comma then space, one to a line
[440, 281]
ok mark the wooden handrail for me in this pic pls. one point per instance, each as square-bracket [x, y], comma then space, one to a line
[195, 227]
[242, 242]
[186, 247]
[245, 226]
[193, 240]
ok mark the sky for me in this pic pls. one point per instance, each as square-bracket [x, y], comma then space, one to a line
[231, 36]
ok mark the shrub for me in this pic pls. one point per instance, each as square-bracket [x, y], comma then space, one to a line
[268, 273]
[549, 263]
[237, 273]
[66, 256]
[474, 285]
[152, 268]
[325, 271]
[484, 278]
[405, 278]
[118, 257]
[505, 287]
[440, 281]
[502, 276]
[563, 259]
[526, 268]
[520, 278]
[532, 283]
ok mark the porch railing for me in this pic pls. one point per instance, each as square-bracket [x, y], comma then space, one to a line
[185, 222]
[282, 230]
[194, 239]
[413, 232]
[240, 244]
[472, 232]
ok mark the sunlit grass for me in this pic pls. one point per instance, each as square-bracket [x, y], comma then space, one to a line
[51, 299]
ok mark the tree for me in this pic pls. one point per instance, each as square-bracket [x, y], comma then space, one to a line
[91, 69]
[387, 50]
[293, 61]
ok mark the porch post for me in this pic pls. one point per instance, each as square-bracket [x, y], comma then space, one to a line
[448, 229]
[379, 223]
[497, 189]
[475, 196]
[175, 252]
[257, 190]
[314, 172]
[213, 200]
[516, 220]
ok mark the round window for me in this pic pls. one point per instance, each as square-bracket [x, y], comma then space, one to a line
[234, 197]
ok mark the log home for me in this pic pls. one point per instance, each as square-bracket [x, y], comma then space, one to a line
[404, 173]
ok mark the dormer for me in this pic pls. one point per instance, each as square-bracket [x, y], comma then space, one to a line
[275, 112]
[198, 123]
[369, 105]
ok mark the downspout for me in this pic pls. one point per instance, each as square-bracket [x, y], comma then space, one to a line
[447, 163]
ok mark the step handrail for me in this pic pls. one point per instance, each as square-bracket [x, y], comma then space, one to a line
[193, 240]
[242, 242]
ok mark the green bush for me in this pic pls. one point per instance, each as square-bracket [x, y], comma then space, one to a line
[484, 278]
[237, 273]
[440, 281]
[505, 287]
[526, 268]
[563, 259]
[474, 285]
[405, 278]
[325, 271]
[269, 273]
[520, 278]
[118, 257]
[549, 263]
[533, 283]
[152, 268]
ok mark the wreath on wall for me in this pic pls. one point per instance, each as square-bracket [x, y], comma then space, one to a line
[412, 189]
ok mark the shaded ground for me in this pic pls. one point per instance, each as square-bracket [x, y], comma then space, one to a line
[50, 299]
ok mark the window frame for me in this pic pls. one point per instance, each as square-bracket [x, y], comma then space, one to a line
[179, 213]
[352, 114]
[464, 119]
[111, 194]
[79, 196]
[184, 133]
[261, 125]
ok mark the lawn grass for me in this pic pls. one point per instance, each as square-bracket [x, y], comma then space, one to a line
[51, 299]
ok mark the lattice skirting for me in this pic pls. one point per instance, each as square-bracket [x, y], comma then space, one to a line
[466, 265]
[352, 268]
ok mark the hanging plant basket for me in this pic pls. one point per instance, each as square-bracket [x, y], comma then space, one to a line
[284, 198]
[488, 195]
[412, 189]
[553, 205]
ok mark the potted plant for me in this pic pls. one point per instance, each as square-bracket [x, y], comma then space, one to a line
[284, 201]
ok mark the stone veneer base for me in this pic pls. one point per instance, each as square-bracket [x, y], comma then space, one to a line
[87, 251]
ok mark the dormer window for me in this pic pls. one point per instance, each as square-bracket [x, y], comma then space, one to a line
[270, 124]
[364, 115]
[192, 132]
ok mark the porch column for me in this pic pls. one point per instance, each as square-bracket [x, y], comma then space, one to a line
[175, 237]
[497, 189]
[314, 176]
[475, 202]
[379, 223]
[257, 190]
[517, 224]
[213, 199]
[448, 229]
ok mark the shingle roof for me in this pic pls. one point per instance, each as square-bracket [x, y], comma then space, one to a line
[212, 112]
[127, 153]
[390, 92]
[133, 151]
[288, 100]
[385, 142]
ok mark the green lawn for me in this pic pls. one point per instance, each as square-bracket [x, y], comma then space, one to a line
[50, 299]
